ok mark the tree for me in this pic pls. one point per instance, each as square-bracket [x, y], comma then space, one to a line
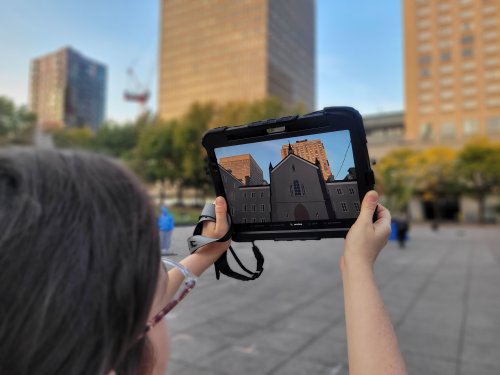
[190, 155]
[435, 175]
[17, 124]
[154, 157]
[395, 179]
[80, 138]
[116, 140]
[479, 170]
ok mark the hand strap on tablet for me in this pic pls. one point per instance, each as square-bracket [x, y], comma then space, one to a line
[221, 265]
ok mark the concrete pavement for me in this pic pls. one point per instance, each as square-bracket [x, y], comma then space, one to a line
[442, 292]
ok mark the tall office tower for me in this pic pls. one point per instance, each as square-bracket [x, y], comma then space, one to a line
[227, 50]
[452, 60]
[67, 89]
[310, 151]
[244, 168]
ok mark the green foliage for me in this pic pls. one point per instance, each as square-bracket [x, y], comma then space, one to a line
[116, 140]
[479, 166]
[395, 179]
[17, 124]
[190, 155]
[80, 138]
[435, 172]
[479, 170]
[154, 156]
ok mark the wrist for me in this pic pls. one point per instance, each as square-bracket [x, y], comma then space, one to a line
[215, 249]
[350, 265]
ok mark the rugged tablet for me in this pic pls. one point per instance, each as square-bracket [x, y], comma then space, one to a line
[292, 178]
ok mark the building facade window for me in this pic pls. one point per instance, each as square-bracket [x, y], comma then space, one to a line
[356, 206]
[468, 52]
[425, 131]
[351, 191]
[470, 104]
[447, 94]
[470, 127]
[448, 130]
[253, 207]
[344, 206]
[445, 56]
[445, 43]
[296, 188]
[447, 107]
[262, 207]
[468, 65]
[493, 102]
[424, 59]
[339, 191]
[244, 208]
[493, 125]
[448, 81]
[446, 69]
[424, 73]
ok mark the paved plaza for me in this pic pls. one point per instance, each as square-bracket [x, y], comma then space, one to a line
[442, 292]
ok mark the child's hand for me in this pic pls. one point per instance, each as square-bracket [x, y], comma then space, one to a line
[365, 238]
[217, 229]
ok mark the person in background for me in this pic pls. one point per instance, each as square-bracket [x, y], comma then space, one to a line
[402, 227]
[166, 227]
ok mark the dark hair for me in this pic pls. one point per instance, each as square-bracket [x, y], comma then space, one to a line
[79, 262]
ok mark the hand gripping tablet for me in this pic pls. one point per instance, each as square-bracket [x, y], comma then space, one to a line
[221, 265]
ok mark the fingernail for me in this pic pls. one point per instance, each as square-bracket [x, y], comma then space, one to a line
[219, 201]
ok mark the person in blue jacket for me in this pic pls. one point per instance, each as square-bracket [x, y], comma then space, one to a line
[166, 226]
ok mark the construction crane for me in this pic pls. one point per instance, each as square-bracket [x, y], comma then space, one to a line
[136, 91]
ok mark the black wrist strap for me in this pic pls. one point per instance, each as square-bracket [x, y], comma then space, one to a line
[221, 265]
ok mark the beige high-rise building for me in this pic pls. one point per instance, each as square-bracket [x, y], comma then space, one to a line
[231, 50]
[311, 151]
[452, 61]
[244, 168]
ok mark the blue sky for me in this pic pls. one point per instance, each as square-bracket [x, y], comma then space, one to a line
[336, 147]
[358, 62]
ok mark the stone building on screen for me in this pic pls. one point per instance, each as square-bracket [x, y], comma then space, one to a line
[297, 191]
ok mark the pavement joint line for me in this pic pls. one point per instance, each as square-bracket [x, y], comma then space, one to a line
[422, 289]
[465, 303]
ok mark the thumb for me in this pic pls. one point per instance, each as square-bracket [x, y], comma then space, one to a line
[221, 224]
[368, 207]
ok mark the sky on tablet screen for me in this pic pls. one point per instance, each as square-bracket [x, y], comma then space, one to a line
[337, 146]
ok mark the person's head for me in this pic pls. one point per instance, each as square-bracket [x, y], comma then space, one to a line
[79, 264]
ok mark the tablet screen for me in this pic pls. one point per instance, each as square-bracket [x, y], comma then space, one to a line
[304, 179]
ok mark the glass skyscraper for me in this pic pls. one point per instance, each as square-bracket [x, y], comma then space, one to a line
[67, 89]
